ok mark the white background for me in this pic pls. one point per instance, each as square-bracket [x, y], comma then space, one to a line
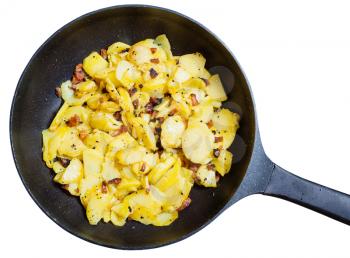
[296, 55]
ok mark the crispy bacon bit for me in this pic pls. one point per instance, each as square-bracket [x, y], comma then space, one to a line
[149, 108]
[73, 121]
[172, 112]
[103, 53]
[194, 167]
[78, 75]
[185, 204]
[64, 162]
[217, 177]
[121, 130]
[104, 188]
[83, 135]
[118, 115]
[153, 73]
[153, 50]
[124, 50]
[155, 101]
[210, 124]
[74, 85]
[216, 153]
[160, 119]
[157, 130]
[132, 91]
[155, 60]
[58, 92]
[115, 181]
[219, 139]
[206, 81]
[143, 167]
[136, 103]
[194, 100]
[211, 166]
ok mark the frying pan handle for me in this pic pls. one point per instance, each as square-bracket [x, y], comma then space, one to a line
[319, 198]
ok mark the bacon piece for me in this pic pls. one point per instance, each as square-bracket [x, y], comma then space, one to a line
[206, 81]
[103, 53]
[172, 112]
[143, 167]
[78, 75]
[219, 139]
[132, 91]
[58, 92]
[119, 131]
[104, 188]
[153, 49]
[160, 119]
[211, 166]
[136, 103]
[155, 60]
[149, 108]
[115, 181]
[155, 101]
[64, 162]
[73, 121]
[83, 135]
[153, 73]
[210, 124]
[194, 100]
[185, 204]
[117, 115]
[194, 167]
[216, 153]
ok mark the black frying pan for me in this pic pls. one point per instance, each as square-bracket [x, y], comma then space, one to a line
[35, 104]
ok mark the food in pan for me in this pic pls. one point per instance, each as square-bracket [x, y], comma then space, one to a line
[137, 128]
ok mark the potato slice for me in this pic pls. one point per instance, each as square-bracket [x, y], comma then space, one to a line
[47, 135]
[94, 63]
[72, 174]
[181, 75]
[117, 48]
[69, 97]
[192, 63]
[97, 207]
[104, 121]
[223, 162]
[131, 155]
[172, 129]
[59, 117]
[98, 140]
[215, 90]
[224, 119]
[164, 43]
[85, 87]
[92, 162]
[197, 143]
[125, 100]
[160, 169]
[127, 74]
[88, 187]
[71, 145]
[206, 177]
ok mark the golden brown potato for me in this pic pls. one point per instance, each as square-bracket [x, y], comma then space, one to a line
[137, 131]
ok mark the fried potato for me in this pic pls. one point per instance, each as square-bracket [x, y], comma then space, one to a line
[137, 128]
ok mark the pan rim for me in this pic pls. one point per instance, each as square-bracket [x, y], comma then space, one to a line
[20, 82]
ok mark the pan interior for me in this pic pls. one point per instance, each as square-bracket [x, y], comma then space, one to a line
[35, 104]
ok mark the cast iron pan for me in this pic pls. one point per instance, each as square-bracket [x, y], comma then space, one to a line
[35, 104]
